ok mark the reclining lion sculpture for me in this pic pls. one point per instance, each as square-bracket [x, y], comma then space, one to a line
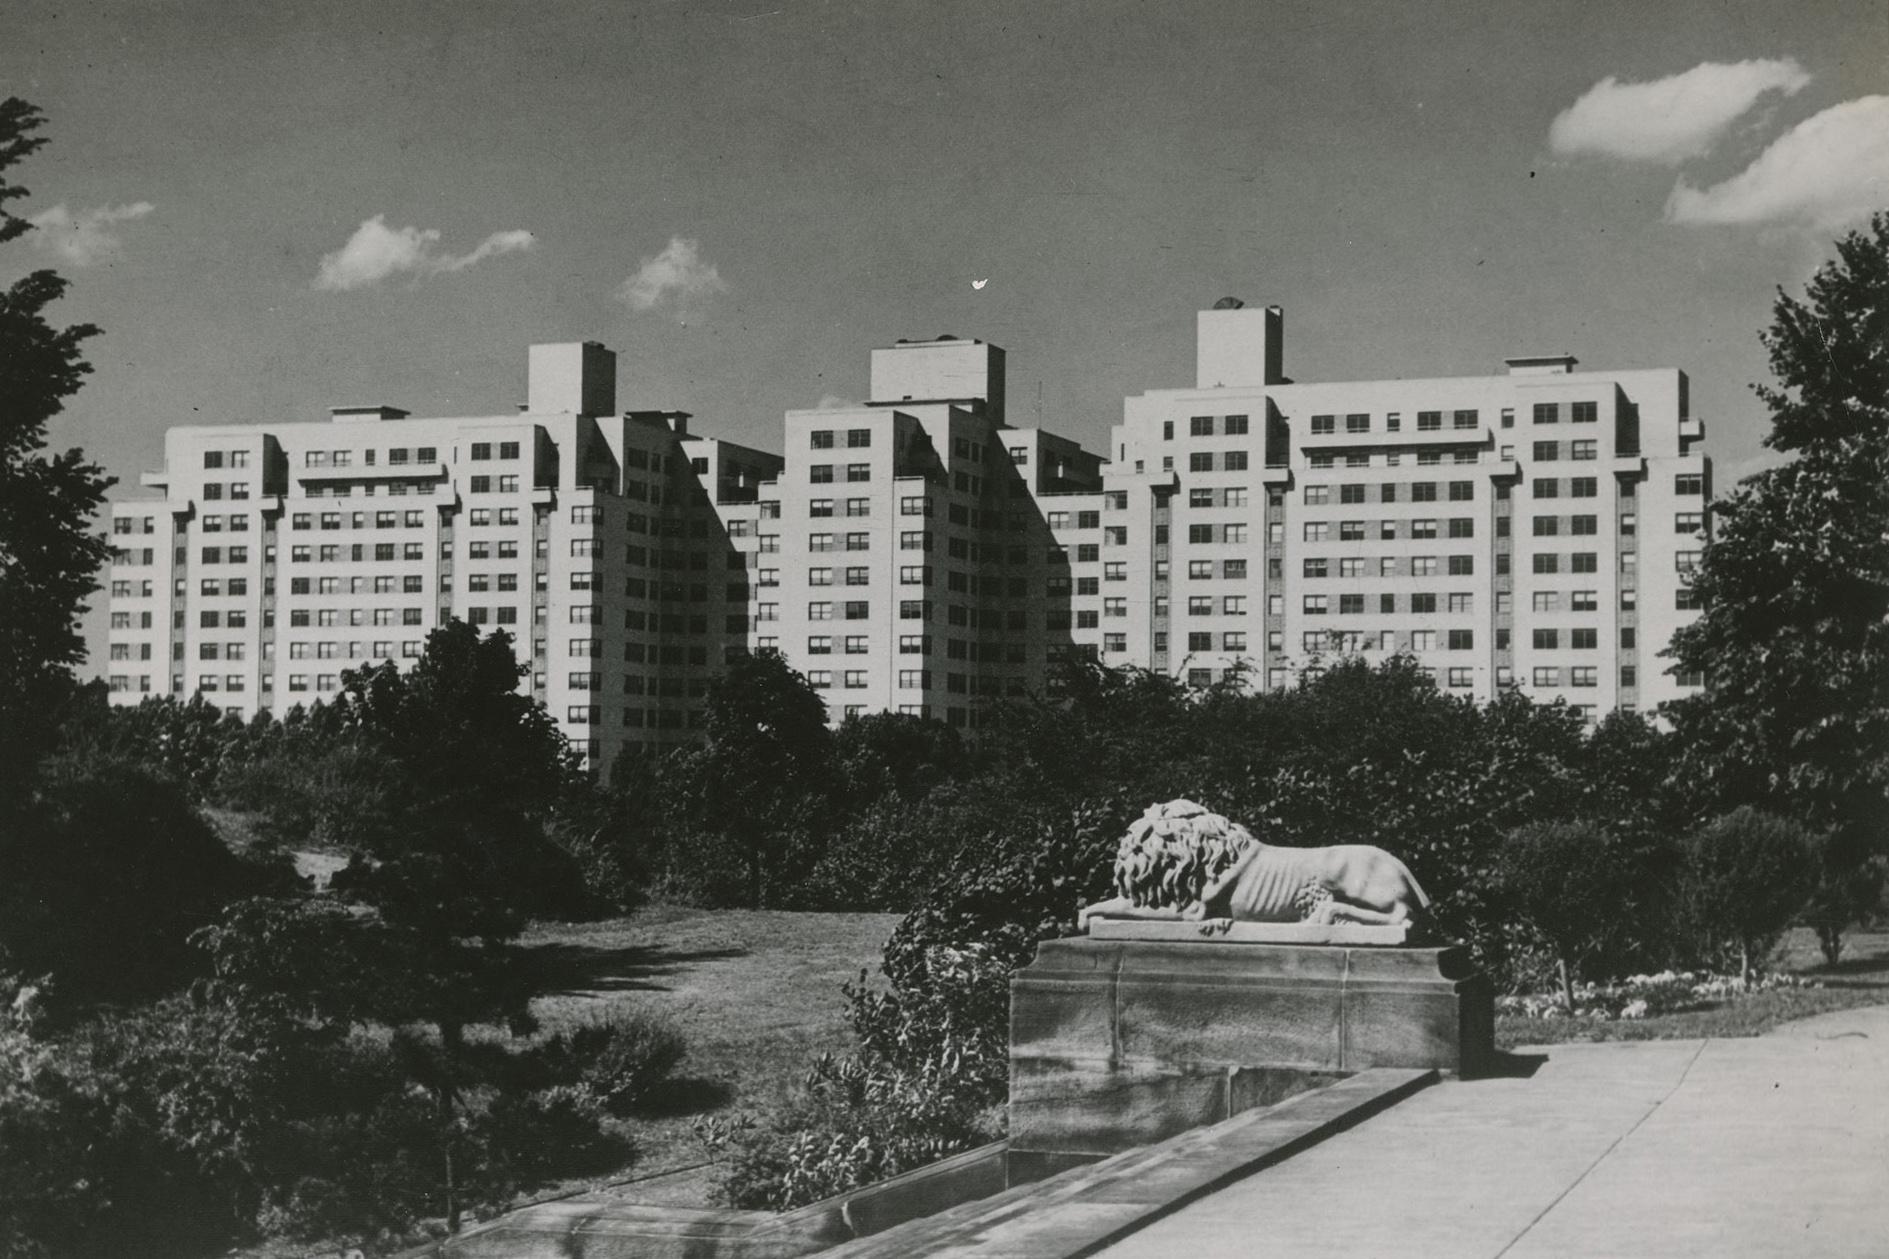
[1179, 862]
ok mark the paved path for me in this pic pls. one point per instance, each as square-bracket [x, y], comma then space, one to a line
[1774, 1146]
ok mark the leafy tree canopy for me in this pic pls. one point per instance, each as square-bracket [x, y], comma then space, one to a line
[1794, 636]
[48, 553]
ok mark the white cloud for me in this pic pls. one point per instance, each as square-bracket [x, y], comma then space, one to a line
[1828, 170]
[834, 402]
[377, 251]
[84, 238]
[677, 277]
[1670, 119]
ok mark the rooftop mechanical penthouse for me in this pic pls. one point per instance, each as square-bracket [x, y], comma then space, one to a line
[919, 554]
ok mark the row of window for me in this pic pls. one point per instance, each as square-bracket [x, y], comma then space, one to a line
[1203, 426]
[1420, 492]
[853, 507]
[856, 438]
[395, 456]
[1578, 526]
[1390, 566]
[392, 489]
[1387, 530]
[411, 583]
[384, 552]
[303, 521]
[823, 473]
[1222, 461]
[849, 576]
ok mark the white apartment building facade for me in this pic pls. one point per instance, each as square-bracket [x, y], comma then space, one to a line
[609, 547]
[919, 554]
[1534, 529]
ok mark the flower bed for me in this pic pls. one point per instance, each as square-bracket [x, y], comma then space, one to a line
[1647, 996]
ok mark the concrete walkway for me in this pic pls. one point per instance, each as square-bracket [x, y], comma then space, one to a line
[1765, 1147]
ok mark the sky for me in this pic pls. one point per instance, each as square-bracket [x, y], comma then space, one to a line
[274, 209]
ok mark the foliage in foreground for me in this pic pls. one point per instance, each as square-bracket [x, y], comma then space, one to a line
[49, 554]
[203, 1120]
[1794, 637]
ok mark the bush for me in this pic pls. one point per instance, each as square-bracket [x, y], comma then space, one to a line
[191, 1126]
[932, 1068]
[1746, 876]
[621, 1062]
[927, 1082]
[105, 875]
[1574, 885]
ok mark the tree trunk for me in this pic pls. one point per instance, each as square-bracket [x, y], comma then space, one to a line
[1830, 940]
[1567, 983]
[449, 1041]
[1744, 964]
[757, 884]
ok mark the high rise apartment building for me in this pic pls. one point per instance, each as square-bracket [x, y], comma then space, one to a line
[1533, 529]
[918, 554]
[609, 546]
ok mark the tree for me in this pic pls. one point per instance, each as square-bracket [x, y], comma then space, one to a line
[1747, 874]
[1794, 636]
[763, 772]
[450, 777]
[104, 877]
[48, 554]
[1571, 883]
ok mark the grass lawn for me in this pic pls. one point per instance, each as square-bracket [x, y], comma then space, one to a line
[1861, 978]
[755, 992]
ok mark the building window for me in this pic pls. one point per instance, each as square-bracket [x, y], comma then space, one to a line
[1316, 605]
[1689, 483]
[1429, 421]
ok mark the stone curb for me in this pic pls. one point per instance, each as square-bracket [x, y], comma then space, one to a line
[1083, 1210]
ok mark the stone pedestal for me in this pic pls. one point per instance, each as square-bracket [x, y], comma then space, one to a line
[1118, 1042]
